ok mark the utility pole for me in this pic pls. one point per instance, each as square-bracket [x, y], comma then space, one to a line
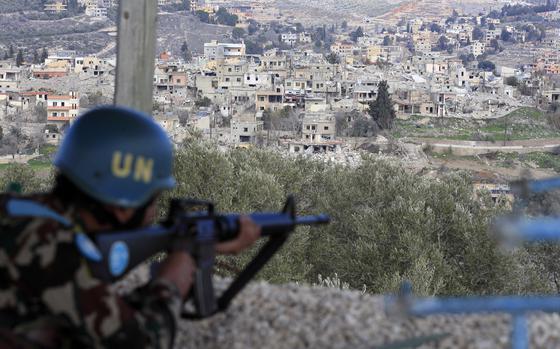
[136, 48]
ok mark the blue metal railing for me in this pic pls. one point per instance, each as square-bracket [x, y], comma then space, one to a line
[516, 306]
[512, 230]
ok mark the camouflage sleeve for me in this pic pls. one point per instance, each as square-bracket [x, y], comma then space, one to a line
[145, 319]
[49, 263]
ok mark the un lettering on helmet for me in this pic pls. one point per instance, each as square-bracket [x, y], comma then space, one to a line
[122, 166]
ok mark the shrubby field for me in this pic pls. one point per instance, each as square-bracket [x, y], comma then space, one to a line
[7, 6]
[388, 224]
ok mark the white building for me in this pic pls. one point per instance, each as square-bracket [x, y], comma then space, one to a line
[96, 11]
[215, 50]
[477, 48]
[289, 38]
[9, 78]
[63, 109]
[245, 128]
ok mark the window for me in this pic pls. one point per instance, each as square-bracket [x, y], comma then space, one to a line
[245, 129]
[326, 128]
[62, 104]
[55, 104]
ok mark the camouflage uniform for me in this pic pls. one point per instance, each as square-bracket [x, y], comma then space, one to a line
[49, 299]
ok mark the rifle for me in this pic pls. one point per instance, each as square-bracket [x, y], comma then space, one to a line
[197, 232]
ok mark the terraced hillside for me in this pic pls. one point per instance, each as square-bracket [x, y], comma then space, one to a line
[336, 9]
[7, 6]
[76, 33]
[175, 28]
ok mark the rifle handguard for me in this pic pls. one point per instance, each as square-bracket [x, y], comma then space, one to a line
[197, 232]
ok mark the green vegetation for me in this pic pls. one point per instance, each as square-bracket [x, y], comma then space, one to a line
[543, 160]
[7, 6]
[524, 123]
[223, 17]
[47, 149]
[540, 160]
[381, 110]
[388, 225]
[40, 163]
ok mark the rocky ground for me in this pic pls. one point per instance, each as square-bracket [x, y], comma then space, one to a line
[295, 316]
[176, 28]
[311, 11]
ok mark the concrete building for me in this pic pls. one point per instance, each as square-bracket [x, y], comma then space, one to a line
[343, 48]
[478, 48]
[289, 38]
[10, 78]
[318, 134]
[318, 127]
[56, 7]
[269, 99]
[62, 109]
[245, 128]
[215, 50]
[96, 11]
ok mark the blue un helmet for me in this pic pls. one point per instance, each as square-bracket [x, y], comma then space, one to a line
[118, 156]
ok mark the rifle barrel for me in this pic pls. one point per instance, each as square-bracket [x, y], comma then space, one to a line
[313, 220]
[270, 223]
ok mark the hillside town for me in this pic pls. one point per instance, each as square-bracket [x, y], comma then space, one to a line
[473, 85]
[327, 174]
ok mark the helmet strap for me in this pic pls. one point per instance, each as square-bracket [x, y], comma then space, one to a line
[101, 213]
[69, 194]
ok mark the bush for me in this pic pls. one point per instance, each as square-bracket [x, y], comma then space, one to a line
[24, 177]
[204, 102]
[238, 33]
[512, 81]
[486, 65]
[387, 225]
[554, 120]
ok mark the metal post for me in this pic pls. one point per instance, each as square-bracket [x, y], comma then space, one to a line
[519, 333]
[136, 46]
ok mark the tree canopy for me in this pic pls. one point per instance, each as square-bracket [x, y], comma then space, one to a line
[358, 33]
[381, 110]
[222, 16]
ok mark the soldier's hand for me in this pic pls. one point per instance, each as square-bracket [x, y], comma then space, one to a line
[178, 268]
[249, 233]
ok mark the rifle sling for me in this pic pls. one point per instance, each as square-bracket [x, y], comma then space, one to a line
[274, 243]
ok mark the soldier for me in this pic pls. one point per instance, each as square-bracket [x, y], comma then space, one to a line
[112, 165]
